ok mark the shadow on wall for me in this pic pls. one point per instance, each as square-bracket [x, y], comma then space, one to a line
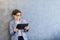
[8, 31]
[57, 36]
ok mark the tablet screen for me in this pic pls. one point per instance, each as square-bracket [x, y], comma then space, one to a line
[21, 26]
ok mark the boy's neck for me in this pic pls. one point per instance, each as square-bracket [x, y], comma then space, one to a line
[17, 20]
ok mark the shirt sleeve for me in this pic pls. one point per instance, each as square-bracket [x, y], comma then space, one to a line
[11, 28]
[24, 21]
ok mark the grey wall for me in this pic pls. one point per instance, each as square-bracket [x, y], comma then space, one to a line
[43, 17]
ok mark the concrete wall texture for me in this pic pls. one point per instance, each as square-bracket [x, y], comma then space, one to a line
[43, 17]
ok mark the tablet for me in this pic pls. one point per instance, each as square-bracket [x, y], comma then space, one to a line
[21, 26]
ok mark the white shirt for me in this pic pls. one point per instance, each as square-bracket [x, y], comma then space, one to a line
[19, 31]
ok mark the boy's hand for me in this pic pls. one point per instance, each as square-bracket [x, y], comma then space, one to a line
[15, 29]
[26, 28]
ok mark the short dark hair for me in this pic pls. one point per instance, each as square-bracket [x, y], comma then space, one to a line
[14, 12]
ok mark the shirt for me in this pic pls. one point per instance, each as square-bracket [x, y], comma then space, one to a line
[14, 36]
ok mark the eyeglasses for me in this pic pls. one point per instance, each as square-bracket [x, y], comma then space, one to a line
[17, 15]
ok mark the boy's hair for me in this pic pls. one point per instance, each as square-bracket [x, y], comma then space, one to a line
[16, 11]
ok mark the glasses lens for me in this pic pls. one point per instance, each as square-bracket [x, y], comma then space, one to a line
[17, 15]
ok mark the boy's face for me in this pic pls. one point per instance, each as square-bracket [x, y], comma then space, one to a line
[17, 16]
